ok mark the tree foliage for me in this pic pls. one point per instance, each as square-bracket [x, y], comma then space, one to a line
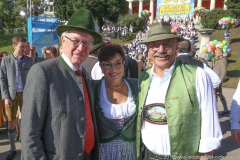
[9, 15]
[234, 7]
[133, 19]
[210, 20]
[109, 9]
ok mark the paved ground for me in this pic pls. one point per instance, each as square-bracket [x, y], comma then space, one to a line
[229, 149]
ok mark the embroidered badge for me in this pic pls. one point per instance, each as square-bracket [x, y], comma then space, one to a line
[175, 97]
[23, 65]
[155, 113]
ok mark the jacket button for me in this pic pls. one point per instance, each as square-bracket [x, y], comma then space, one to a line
[79, 81]
[82, 118]
[80, 98]
[79, 154]
[82, 136]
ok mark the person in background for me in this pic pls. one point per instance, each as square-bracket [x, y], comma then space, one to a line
[58, 118]
[149, 63]
[50, 52]
[92, 64]
[220, 68]
[43, 49]
[227, 36]
[183, 52]
[32, 54]
[107, 39]
[14, 71]
[140, 63]
[131, 66]
[2, 107]
[57, 48]
[177, 109]
[4, 54]
[115, 106]
[235, 115]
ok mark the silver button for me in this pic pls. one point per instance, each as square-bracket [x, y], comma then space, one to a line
[82, 118]
[79, 154]
[80, 98]
[79, 80]
[82, 136]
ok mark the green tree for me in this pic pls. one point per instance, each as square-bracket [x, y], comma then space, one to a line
[233, 6]
[109, 9]
[133, 19]
[9, 15]
[211, 19]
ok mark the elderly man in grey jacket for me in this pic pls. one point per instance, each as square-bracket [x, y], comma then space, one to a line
[58, 120]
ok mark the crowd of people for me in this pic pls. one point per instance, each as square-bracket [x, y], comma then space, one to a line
[101, 101]
[119, 31]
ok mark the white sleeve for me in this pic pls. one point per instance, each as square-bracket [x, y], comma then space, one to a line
[96, 72]
[211, 133]
[213, 76]
[235, 109]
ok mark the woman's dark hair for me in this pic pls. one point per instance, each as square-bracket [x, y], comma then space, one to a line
[108, 51]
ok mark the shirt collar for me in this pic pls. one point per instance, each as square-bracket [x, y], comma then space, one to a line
[69, 63]
[167, 72]
[20, 57]
[183, 54]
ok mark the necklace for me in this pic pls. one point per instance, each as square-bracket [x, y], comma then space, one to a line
[114, 87]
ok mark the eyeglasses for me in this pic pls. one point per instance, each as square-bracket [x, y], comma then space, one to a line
[76, 43]
[108, 65]
[156, 45]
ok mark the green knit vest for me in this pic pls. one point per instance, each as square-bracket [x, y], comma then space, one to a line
[183, 113]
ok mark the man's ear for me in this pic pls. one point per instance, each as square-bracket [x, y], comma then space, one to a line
[177, 43]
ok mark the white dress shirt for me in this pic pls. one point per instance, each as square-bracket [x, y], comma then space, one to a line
[117, 111]
[96, 72]
[235, 109]
[156, 137]
[19, 77]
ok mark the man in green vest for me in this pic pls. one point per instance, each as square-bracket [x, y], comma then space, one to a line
[177, 114]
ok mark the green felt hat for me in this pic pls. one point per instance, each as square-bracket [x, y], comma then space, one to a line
[81, 20]
[160, 31]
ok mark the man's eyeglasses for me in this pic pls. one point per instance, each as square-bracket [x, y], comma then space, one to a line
[108, 65]
[76, 43]
[156, 45]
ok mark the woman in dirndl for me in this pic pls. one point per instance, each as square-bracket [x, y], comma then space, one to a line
[115, 106]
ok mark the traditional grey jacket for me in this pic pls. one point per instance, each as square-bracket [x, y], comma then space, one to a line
[53, 113]
[9, 74]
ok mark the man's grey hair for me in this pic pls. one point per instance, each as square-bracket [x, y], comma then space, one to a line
[184, 47]
[64, 33]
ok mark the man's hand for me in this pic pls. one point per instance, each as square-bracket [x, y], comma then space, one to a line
[235, 135]
[203, 158]
[8, 102]
[207, 156]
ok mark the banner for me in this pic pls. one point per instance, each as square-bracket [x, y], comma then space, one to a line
[175, 9]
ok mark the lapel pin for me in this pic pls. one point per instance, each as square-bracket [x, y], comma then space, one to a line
[175, 97]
